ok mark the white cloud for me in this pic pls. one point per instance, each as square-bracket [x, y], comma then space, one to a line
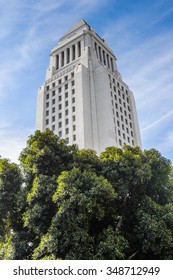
[12, 140]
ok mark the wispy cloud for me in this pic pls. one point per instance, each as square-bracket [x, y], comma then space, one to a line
[167, 115]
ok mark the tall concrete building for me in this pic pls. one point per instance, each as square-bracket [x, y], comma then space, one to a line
[84, 99]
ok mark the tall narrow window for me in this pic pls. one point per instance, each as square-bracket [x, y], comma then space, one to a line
[73, 52]
[104, 58]
[79, 49]
[108, 61]
[68, 55]
[62, 59]
[96, 49]
[112, 65]
[57, 62]
[100, 56]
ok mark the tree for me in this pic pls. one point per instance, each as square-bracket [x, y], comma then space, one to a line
[141, 179]
[10, 187]
[46, 154]
[86, 214]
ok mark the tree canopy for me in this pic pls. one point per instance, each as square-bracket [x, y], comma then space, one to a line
[61, 202]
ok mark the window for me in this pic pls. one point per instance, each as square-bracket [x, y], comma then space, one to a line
[73, 109]
[65, 78]
[67, 130]
[60, 115]
[73, 52]
[112, 64]
[66, 103]
[59, 81]
[120, 143]
[60, 134]
[53, 127]
[96, 49]
[60, 124]
[62, 59]
[47, 88]
[73, 91]
[100, 56]
[74, 118]
[47, 121]
[68, 55]
[60, 89]
[72, 74]
[53, 118]
[67, 140]
[119, 133]
[79, 48]
[53, 85]
[47, 96]
[53, 110]
[47, 113]
[108, 60]
[47, 104]
[74, 137]
[72, 83]
[60, 106]
[66, 121]
[66, 94]
[57, 62]
[66, 112]
[73, 100]
[53, 101]
[60, 98]
[74, 127]
[53, 93]
[66, 86]
[104, 58]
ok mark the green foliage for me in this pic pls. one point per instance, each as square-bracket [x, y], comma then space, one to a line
[66, 203]
[82, 214]
[46, 154]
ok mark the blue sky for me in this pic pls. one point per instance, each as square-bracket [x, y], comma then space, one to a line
[140, 32]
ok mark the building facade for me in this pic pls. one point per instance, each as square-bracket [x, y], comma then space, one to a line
[84, 99]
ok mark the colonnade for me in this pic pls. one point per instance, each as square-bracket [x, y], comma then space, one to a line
[104, 57]
[68, 55]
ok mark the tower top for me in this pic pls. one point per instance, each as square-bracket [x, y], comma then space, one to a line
[81, 23]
